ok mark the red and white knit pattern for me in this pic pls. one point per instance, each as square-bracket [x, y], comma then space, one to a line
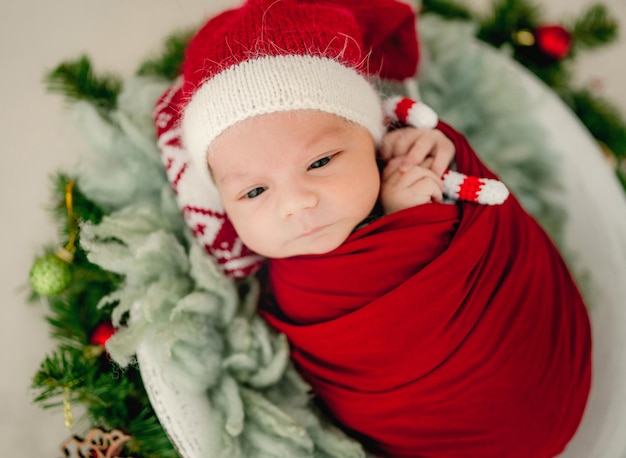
[410, 112]
[457, 186]
[198, 199]
[486, 191]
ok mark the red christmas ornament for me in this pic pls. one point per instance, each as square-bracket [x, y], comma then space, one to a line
[101, 334]
[553, 40]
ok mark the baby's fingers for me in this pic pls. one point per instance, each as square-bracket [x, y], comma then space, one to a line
[392, 167]
[427, 189]
[411, 176]
[442, 154]
[398, 143]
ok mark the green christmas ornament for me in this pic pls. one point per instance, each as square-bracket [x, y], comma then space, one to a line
[51, 274]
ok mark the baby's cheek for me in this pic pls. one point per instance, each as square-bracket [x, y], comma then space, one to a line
[365, 196]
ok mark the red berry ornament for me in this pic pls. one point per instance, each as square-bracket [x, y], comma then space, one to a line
[553, 40]
[101, 334]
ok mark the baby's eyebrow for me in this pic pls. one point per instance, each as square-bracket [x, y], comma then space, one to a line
[233, 176]
[328, 134]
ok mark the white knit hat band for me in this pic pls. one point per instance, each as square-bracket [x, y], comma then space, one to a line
[272, 84]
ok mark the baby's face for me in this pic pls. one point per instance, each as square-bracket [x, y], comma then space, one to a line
[295, 183]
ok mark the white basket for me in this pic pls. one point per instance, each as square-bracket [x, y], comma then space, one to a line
[596, 234]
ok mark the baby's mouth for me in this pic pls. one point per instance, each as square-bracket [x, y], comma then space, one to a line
[313, 230]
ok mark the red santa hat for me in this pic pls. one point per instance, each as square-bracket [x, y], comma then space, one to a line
[281, 55]
[268, 56]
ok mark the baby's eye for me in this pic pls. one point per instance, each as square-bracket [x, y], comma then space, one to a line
[255, 193]
[320, 162]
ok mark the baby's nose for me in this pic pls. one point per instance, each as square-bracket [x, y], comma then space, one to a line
[298, 199]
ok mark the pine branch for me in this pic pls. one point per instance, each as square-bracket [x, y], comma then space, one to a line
[506, 17]
[113, 399]
[74, 313]
[595, 28]
[603, 119]
[63, 370]
[77, 81]
[447, 8]
[123, 403]
[83, 208]
[81, 373]
[168, 64]
[148, 437]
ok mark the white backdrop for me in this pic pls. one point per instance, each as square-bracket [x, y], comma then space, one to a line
[35, 36]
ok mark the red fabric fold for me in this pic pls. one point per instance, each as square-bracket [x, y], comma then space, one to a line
[441, 330]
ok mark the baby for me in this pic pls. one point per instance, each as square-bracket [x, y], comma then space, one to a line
[423, 328]
[313, 178]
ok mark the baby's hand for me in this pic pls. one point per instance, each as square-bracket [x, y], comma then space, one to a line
[428, 148]
[402, 189]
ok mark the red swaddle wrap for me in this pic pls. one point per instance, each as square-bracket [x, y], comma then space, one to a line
[441, 330]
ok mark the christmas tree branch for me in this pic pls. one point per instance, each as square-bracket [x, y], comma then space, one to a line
[77, 81]
[168, 63]
[603, 119]
[595, 28]
[506, 17]
[447, 8]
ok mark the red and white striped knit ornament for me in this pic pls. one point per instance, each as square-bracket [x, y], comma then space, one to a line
[456, 185]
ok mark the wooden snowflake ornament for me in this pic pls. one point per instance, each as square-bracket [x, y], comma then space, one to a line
[96, 444]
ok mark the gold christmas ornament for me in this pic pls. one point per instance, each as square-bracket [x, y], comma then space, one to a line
[523, 37]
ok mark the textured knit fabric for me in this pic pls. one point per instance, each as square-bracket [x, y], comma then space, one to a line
[268, 56]
[441, 330]
[197, 197]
